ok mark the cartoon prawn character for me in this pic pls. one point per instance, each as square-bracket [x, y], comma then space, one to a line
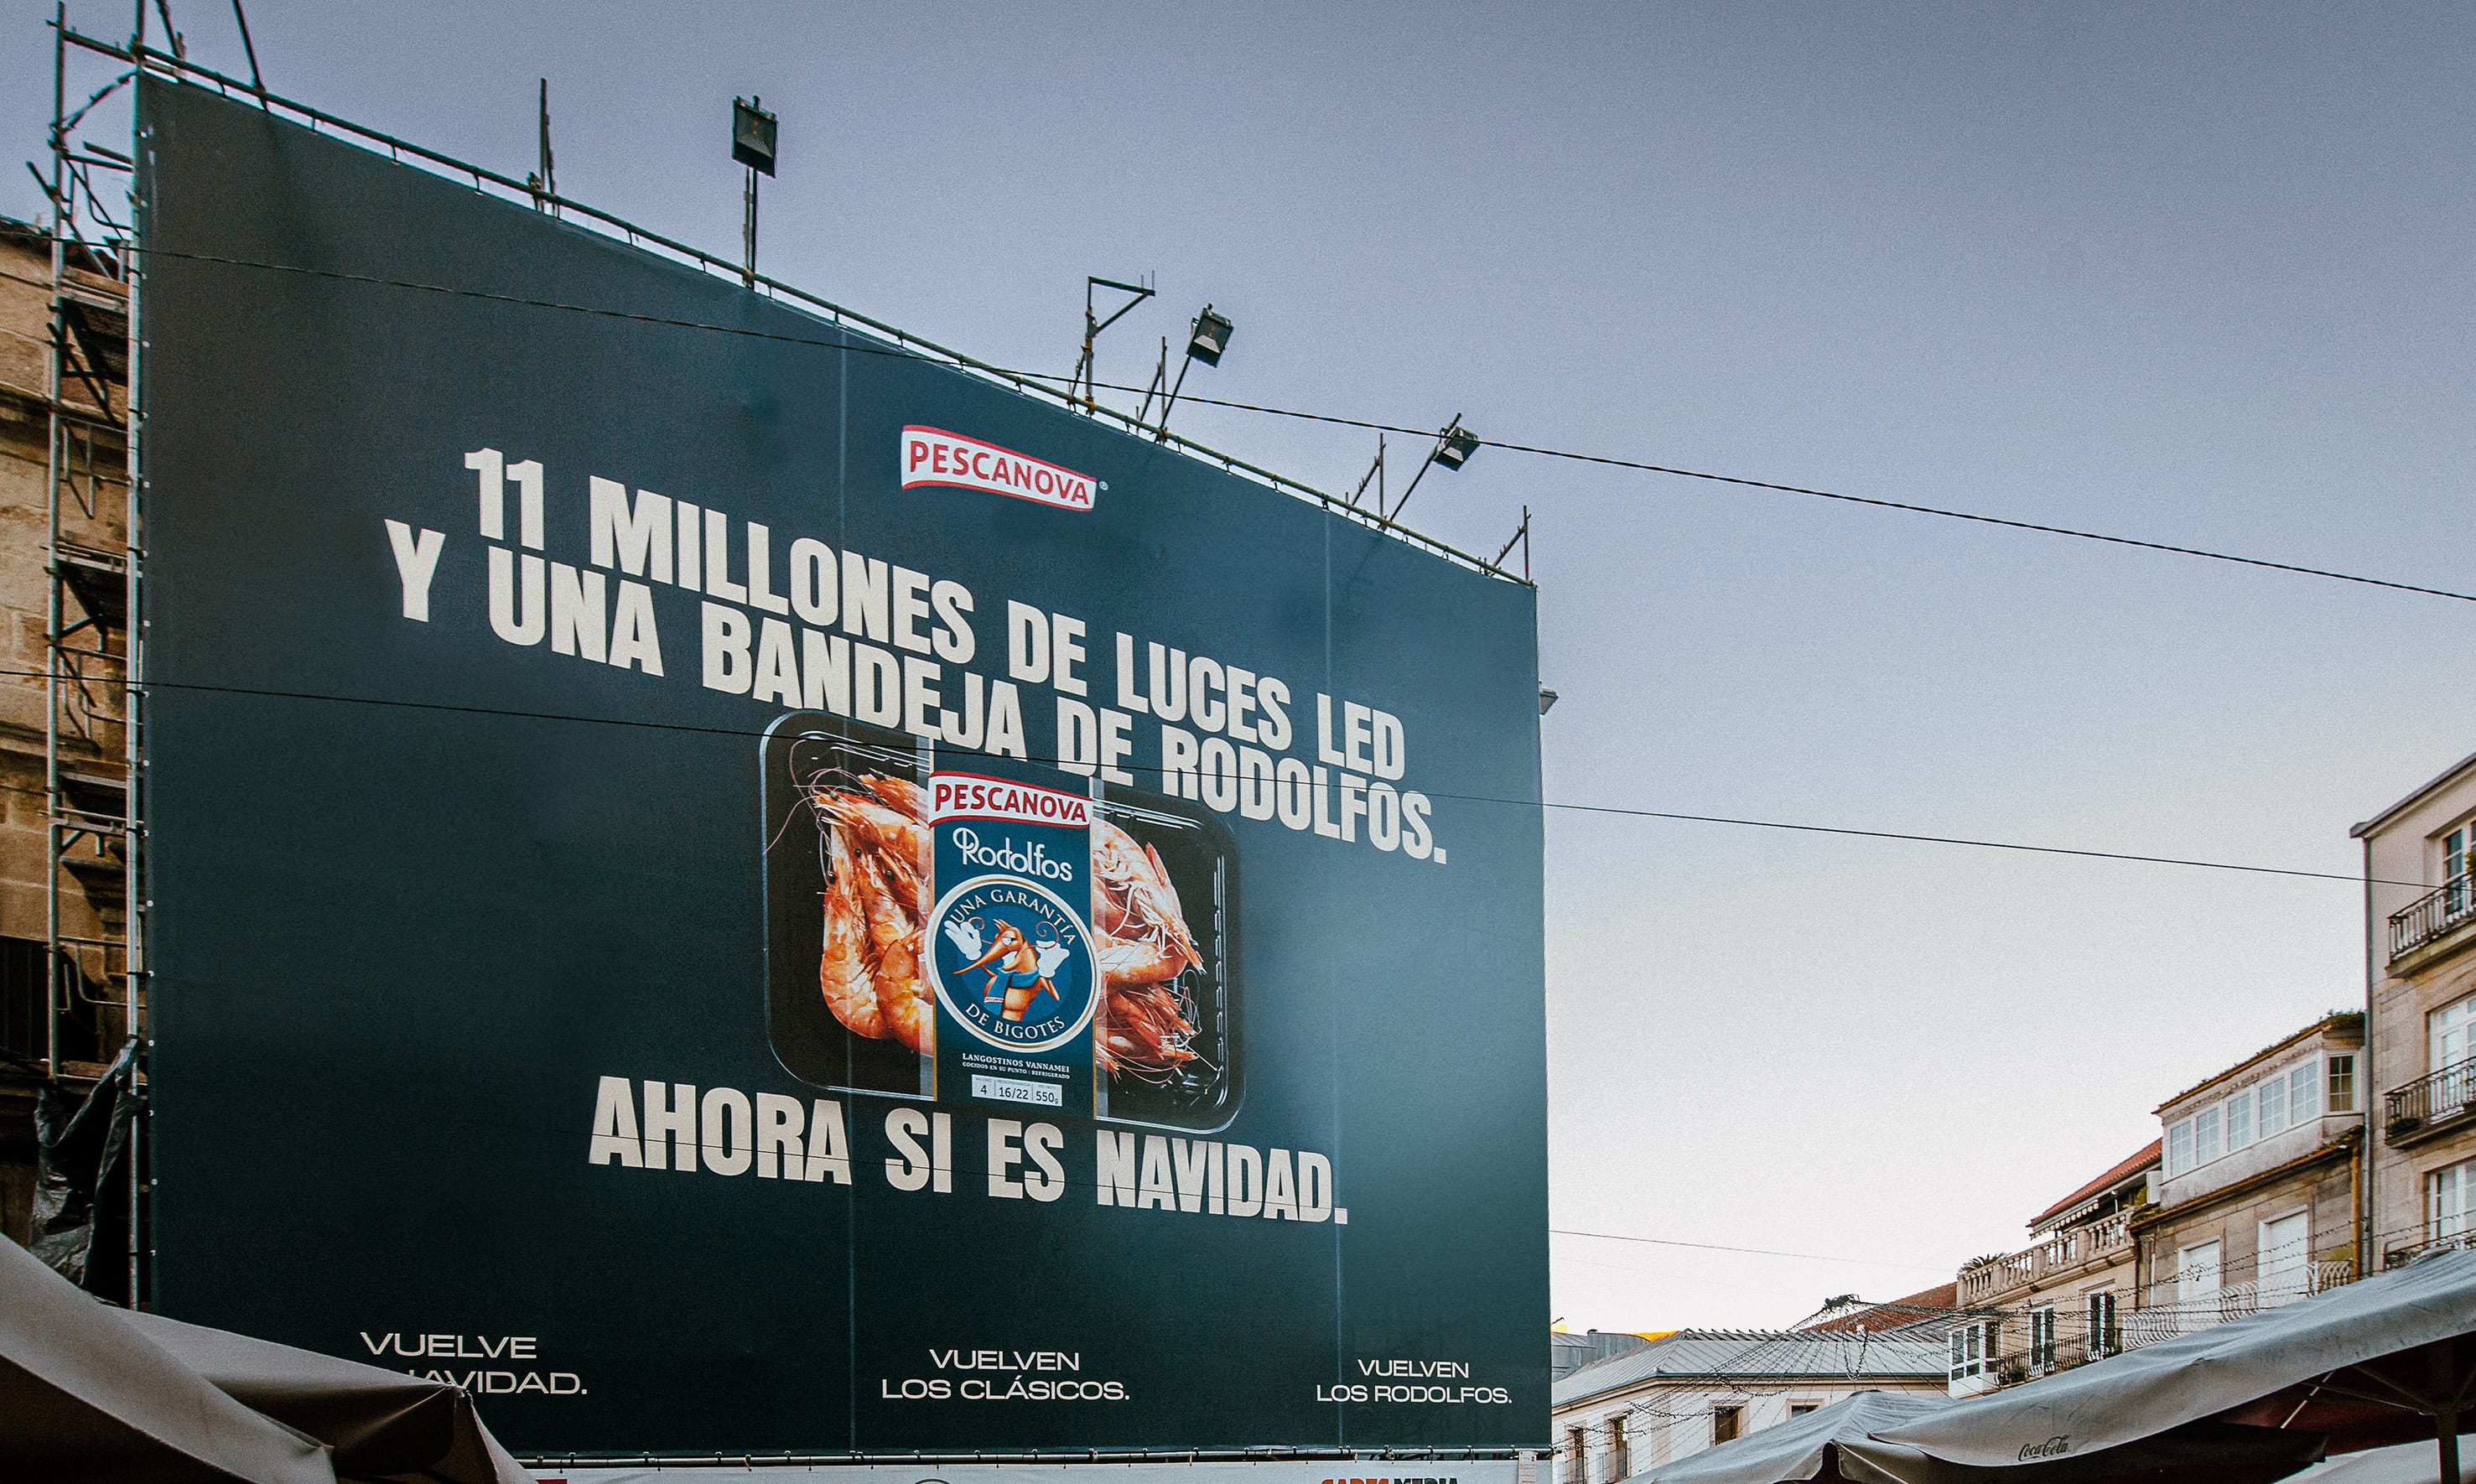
[1021, 976]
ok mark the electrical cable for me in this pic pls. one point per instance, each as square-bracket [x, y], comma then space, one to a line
[1569, 455]
[521, 714]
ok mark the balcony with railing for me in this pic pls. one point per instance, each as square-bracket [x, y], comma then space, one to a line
[2431, 1105]
[2437, 915]
[2065, 1251]
[2180, 1316]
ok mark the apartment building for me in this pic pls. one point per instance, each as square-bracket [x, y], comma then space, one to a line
[2258, 1194]
[1697, 1388]
[2419, 921]
[2057, 1303]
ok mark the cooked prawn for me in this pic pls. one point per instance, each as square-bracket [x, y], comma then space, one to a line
[842, 969]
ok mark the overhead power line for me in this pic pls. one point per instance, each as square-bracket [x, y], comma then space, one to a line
[521, 714]
[1573, 456]
[1753, 1251]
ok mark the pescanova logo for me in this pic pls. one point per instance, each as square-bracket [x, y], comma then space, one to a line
[932, 456]
[1012, 963]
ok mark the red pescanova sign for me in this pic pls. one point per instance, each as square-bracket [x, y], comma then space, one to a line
[932, 456]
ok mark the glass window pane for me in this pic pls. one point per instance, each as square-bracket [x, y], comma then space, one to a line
[2304, 1093]
[2273, 1105]
[2239, 1121]
[2342, 1084]
[2205, 1136]
[2179, 1147]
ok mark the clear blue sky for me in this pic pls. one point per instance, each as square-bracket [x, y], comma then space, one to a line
[2193, 273]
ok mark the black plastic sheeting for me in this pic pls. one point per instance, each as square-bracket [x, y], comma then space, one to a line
[82, 1205]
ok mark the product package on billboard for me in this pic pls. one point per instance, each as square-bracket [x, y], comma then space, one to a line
[855, 910]
[1036, 921]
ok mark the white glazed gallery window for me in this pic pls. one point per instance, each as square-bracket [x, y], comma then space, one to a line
[2447, 1200]
[2208, 1133]
[2239, 1121]
[2304, 1093]
[2273, 1104]
[2196, 1272]
[2286, 1261]
[2179, 1149]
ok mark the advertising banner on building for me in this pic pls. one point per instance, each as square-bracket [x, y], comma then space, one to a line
[735, 888]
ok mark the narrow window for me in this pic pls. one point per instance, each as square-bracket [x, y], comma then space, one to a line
[2273, 1104]
[2446, 1200]
[2304, 1093]
[2205, 1136]
[2342, 1082]
[1726, 1423]
[2104, 1339]
[2042, 1338]
[2239, 1121]
[2179, 1147]
[1620, 1453]
[1577, 1457]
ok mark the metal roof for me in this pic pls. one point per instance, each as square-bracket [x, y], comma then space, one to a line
[1716, 1355]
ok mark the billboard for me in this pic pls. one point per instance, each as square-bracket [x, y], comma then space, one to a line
[738, 889]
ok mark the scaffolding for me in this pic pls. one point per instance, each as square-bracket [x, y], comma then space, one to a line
[94, 897]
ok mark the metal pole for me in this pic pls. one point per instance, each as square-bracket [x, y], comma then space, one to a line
[134, 909]
[56, 430]
[2446, 1426]
[750, 227]
[256, 82]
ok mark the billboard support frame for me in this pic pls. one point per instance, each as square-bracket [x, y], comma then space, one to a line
[140, 56]
[92, 827]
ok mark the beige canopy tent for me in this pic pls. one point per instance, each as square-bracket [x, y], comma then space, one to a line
[2380, 1362]
[2401, 1463]
[1802, 1448]
[93, 1393]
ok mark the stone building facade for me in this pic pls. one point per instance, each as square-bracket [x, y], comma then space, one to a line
[2258, 1187]
[1693, 1389]
[2420, 921]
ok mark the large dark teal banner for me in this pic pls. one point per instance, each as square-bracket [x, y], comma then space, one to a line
[738, 890]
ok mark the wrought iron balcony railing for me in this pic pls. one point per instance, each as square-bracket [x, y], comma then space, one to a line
[2441, 1097]
[2437, 913]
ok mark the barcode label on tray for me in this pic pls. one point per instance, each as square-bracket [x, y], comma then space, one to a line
[997, 1089]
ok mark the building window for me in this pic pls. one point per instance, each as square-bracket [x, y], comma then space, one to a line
[1802, 1408]
[2206, 1130]
[2196, 1272]
[1726, 1424]
[2239, 1121]
[2342, 1083]
[2446, 1033]
[1620, 1451]
[2285, 1263]
[1577, 1457]
[2042, 1338]
[2179, 1147]
[2454, 861]
[2447, 1193]
[2304, 1093]
[2273, 1104]
[1973, 1347]
[2104, 1337]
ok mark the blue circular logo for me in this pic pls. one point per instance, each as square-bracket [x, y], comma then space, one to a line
[1012, 963]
